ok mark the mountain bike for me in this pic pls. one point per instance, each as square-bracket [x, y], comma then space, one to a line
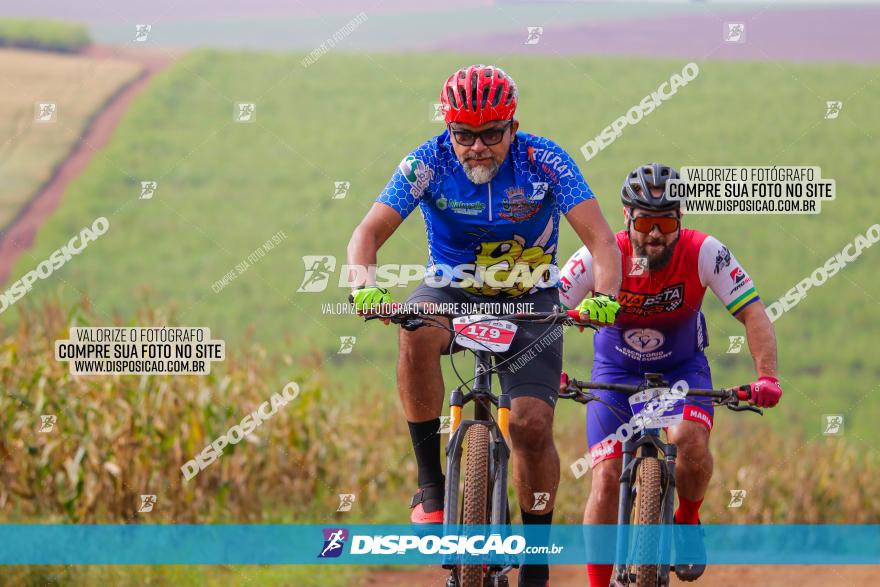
[484, 440]
[647, 480]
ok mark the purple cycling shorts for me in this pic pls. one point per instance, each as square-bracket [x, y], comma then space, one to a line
[603, 421]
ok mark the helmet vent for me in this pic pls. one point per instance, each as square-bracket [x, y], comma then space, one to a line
[478, 94]
[637, 190]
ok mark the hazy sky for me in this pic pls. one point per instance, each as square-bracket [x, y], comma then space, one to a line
[300, 25]
[103, 11]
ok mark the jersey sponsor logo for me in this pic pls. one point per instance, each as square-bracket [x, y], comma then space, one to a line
[702, 343]
[459, 206]
[603, 450]
[737, 275]
[516, 207]
[577, 266]
[511, 268]
[641, 304]
[644, 340]
[417, 174]
[551, 162]
[564, 284]
[722, 260]
[740, 280]
[642, 357]
[694, 413]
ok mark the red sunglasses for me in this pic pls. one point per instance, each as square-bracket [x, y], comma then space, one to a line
[646, 224]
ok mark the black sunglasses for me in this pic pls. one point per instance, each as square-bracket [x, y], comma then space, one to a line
[490, 136]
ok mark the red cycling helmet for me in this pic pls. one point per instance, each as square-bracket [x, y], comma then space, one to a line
[479, 94]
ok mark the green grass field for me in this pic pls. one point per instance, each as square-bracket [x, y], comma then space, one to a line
[186, 575]
[78, 86]
[44, 35]
[225, 188]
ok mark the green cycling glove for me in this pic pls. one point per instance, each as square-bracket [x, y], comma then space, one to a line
[601, 310]
[366, 298]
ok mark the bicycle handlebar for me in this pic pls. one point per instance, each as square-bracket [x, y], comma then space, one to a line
[729, 397]
[411, 319]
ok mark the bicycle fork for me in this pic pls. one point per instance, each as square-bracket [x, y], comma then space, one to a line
[651, 447]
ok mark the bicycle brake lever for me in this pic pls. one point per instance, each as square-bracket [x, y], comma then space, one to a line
[582, 325]
[747, 408]
[581, 397]
[586, 397]
[412, 324]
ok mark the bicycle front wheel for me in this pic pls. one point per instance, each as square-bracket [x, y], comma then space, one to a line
[475, 509]
[647, 511]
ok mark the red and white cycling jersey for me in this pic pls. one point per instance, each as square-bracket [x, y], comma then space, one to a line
[660, 323]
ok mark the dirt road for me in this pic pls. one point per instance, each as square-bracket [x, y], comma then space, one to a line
[19, 236]
[718, 576]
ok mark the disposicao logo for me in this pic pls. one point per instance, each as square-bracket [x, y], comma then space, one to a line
[334, 540]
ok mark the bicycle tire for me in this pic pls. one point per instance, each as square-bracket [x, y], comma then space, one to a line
[647, 511]
[475, 509]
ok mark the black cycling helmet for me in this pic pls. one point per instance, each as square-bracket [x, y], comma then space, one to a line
[636, 191]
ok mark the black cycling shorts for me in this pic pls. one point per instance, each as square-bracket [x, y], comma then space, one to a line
[533, 363]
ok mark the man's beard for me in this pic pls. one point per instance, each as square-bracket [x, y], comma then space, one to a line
[656, 261]
[480, 174]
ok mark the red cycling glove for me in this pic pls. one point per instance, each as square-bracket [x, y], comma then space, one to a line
[766, 392]
[563, 381]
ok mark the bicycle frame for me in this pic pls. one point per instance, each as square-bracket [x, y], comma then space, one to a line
[499, 446]
[499, 436]
[647, 444]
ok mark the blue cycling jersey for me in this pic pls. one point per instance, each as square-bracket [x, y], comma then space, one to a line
[511, 221]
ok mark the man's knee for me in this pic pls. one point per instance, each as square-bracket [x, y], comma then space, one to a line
[422, 345]
[606, 478]
[692, 442]
[531, 424]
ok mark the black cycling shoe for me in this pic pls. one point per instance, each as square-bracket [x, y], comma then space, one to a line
[691, 571]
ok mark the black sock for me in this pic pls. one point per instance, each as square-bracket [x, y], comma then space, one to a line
[537, 519]
[537, 572]
[426, 444]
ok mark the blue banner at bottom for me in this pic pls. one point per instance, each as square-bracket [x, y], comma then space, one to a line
[32, 544]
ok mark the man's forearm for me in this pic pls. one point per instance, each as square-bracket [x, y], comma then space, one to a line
[590, 225]
[606, 267]
[376, 227]
[362, 253]
[762, 339]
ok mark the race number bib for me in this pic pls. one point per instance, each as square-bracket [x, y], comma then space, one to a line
[658, 407]
[484, 333]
